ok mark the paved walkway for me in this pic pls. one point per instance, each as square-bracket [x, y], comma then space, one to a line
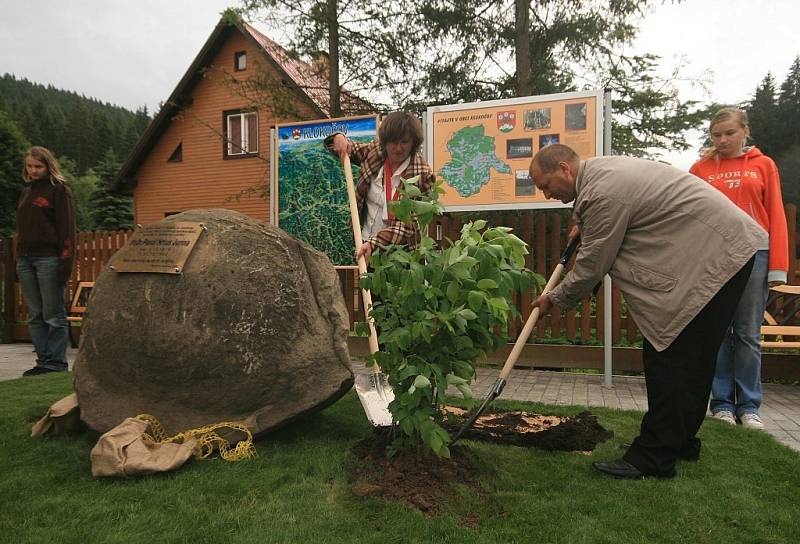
[780, 410]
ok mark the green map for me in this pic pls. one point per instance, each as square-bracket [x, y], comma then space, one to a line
[312, 200]
[471, 157]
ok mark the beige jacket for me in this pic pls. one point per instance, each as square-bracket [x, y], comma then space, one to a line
[668, 240]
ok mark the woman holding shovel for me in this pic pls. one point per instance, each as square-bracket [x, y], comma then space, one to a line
[750, 180]
[384, 163]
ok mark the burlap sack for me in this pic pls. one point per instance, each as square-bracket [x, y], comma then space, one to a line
[123, 453]
[63, 417]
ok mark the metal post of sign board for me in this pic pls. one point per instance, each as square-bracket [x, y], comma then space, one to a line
[607, 336]
[273, 178]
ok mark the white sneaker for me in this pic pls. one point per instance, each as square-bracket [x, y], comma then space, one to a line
[751, 421]
[726, 416]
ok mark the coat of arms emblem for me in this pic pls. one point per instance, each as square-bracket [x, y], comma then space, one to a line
[506, 120]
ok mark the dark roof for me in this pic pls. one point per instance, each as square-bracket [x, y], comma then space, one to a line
[306, 80]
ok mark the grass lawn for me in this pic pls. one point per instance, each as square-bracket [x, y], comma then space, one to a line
[745, 488]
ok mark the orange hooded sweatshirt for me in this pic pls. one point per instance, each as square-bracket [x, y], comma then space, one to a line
[752, 182]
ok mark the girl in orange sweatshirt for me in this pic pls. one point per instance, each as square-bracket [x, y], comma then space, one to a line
[750, 179]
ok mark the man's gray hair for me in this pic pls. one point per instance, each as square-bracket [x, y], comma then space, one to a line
[548, 157]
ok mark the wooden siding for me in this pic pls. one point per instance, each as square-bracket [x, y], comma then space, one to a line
[204, 178]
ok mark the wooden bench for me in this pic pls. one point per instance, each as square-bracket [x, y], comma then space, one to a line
[78, 307]
[783, 306]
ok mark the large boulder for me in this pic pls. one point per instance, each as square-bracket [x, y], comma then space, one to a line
[254, 328]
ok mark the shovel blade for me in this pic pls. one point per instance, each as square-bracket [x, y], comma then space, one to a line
[375, 394]
[494, 392]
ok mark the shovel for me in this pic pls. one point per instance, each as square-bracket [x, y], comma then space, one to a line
[373, 389]
[498, 386]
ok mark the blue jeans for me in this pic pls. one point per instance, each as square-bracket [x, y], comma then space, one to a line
[737, 380]
[43, 291]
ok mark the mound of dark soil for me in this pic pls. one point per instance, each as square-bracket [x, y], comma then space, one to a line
[578, 433]
[424, 481]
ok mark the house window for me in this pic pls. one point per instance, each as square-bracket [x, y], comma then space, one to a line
[241, 133]
[177, 155]
[239, 61]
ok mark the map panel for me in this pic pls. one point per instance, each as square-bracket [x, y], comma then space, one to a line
[311, 196]
[472, 156]
[482, 151]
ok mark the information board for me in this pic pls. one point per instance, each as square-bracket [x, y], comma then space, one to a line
[482, 151]
[309, 192]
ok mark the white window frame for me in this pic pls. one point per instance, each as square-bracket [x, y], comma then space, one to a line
[240, 56]
[245, 137]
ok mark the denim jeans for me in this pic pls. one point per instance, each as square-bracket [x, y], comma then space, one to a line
[737, 380]
[43, 292]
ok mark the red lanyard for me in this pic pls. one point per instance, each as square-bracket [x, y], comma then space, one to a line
[387, 185]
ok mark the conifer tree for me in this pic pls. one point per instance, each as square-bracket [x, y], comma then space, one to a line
[82, 188]
[763, 114]
[110, 211]
[70, 124]
[789, 105]
[12, 148]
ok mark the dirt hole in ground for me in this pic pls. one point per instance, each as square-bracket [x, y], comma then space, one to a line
[426, 482]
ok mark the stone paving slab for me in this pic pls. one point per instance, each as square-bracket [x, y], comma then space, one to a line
[780, 410]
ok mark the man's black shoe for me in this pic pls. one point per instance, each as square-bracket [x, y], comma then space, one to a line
[618, 469]
[35, 371]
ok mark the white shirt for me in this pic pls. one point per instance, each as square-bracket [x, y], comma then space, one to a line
[377, 210]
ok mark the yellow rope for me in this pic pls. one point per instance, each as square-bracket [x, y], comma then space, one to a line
[207, 439]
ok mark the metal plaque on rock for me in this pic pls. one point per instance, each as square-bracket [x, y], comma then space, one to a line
[160, 247]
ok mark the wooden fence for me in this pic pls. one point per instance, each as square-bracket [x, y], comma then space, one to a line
[543, 231]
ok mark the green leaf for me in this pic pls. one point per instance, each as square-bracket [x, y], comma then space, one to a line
[453, 291]
[361, 328]
[412, 191]
[467, 314]
[407, 372]
[452, 379]
[421, 382]
[463, 369]
[499, 303]
[487, 283]
[465, 391]
[460, 271]
[407, 426]
[475, 300]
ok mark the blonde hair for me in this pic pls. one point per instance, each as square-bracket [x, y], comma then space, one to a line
[43, 155]
[725, 114]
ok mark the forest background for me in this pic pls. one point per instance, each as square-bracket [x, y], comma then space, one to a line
[470, 50]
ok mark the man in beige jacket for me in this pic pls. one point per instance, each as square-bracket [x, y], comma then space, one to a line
[681, 253]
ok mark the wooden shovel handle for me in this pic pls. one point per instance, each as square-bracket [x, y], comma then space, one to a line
[525, 333]
[362, 263]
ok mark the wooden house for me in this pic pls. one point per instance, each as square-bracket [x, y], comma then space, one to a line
[209, 144]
